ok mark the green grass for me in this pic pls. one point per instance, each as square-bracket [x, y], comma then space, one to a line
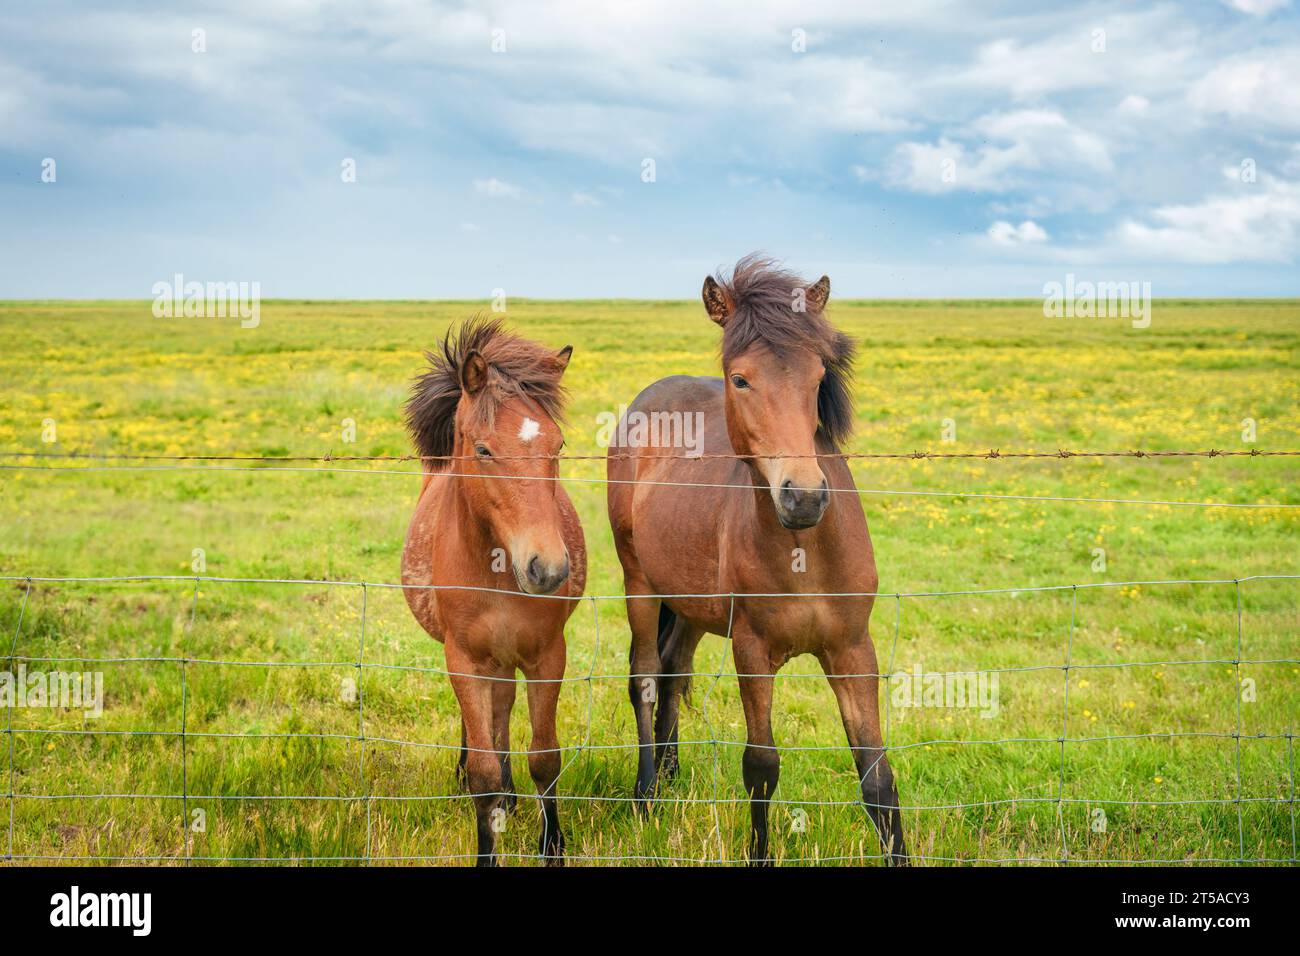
[116, 380]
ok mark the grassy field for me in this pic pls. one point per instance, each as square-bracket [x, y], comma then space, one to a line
[113, 379]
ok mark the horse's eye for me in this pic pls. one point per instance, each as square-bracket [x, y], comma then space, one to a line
[739, 381]
[482, 451]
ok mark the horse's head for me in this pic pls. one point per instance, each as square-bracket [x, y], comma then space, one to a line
[785, 374]
[508, 450]
[502, 433]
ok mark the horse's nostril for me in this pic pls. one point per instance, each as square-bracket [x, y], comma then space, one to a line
[788, 496]
[535, 570]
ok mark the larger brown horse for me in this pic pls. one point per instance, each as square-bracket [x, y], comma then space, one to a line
[493, 530]
[759, 513]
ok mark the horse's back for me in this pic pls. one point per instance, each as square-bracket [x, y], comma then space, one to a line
[665, 496]
[680, 393]
[699, 396]
[635, 454]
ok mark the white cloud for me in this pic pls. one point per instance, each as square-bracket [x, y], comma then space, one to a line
[607, 80]
[1259, 8]
[1029, 69]
[836, 93]
[1257, 88]
[1004, 233]
[1038, 135]
[1259, 222]
[497, 189]
[1134, 105]
[1291, 164]
[1011, 145]
[926, 167]
[585, 199]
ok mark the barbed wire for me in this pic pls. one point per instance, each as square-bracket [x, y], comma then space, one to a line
[187, 798]
[992, 454]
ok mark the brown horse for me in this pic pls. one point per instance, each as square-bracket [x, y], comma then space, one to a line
[783, 400]
[492, 527]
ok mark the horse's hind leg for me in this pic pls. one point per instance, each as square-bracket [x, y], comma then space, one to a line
[761, 763]
[544, 757]
[482, 765]
[503, 701]
[677, 660]
[858, 697]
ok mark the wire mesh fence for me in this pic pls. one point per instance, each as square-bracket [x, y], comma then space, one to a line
[1250, 810]
[706, 808]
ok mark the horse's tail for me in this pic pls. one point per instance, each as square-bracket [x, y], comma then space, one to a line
[667, 644]
[667, 618]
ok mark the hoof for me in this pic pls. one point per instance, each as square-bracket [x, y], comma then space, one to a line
[553, 855]
[643, 797]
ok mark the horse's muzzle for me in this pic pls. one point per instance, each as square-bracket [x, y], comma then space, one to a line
[539, 577]
[799, 508]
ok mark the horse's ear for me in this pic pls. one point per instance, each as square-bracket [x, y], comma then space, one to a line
[818, 293]
[473, 373]
[562, 357]
[716, 301]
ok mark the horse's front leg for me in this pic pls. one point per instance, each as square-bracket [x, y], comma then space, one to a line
[762, 762]
[503, 702]
[544, 757]
[469, 679]
[462, 775]
[852, 673]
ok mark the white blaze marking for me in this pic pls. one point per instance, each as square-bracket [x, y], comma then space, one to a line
[529, 430]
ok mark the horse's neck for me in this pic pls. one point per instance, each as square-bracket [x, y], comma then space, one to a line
[840, 536]
[457, 530]
[759, 522]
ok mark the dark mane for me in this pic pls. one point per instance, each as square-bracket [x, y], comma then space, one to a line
[763, 295]
[516, 368]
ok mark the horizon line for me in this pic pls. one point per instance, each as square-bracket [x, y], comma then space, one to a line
[1295, 297]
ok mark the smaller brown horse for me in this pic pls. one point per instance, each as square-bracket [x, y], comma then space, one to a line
[492, 527]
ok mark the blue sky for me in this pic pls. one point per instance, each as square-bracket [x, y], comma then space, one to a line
[936, 149]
